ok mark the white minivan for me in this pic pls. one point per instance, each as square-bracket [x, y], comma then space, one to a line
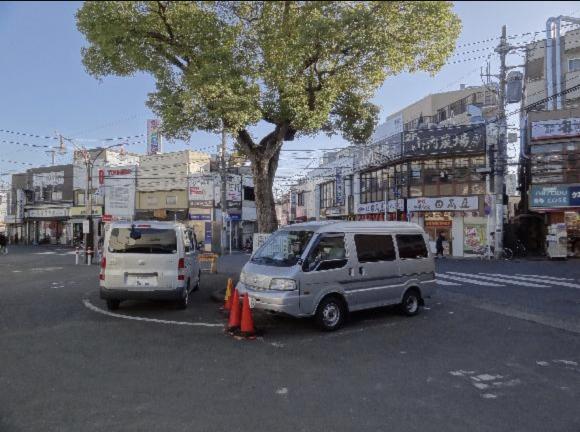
[326, 269]
[148, 260]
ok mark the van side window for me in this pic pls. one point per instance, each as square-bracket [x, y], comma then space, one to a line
[411, 246]
[329, 253]
[374, 248]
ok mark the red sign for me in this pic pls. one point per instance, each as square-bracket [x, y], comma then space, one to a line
[107, 218]
[116, 172]
[101, 177]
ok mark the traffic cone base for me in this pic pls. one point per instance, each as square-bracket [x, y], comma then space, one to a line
[247, 322]
[235, 312]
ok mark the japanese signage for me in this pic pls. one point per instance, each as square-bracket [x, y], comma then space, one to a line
[201, 190]
[574, 196]
[233, 191]
[339, 196]
[444, 141]
[379, 207]
[549, 196]
[47, 179]
[82, 211]
[47, 213]
[120, 191]
[154, 138]
[457, 203]
[554, 196]
[550, 129]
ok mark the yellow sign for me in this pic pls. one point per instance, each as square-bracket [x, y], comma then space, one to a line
[82, 211]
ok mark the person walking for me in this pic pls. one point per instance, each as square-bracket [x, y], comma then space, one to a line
[3, 244]
[439, 245]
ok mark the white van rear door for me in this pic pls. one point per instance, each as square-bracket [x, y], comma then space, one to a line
[148, 259]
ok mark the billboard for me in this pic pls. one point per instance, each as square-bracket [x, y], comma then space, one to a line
[119, 185]
[154, 138]
[444, 141]
[339, 191]
[201, 190]
[554, 129]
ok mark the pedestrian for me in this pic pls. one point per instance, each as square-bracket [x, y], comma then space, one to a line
[439, 244]
[3, 244]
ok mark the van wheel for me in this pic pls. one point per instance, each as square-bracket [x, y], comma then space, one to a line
[184, 302]
[113, 304]
[411, 302]
[330, 314]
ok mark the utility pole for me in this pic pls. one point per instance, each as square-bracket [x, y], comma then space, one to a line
[224, 182]
[500, 157]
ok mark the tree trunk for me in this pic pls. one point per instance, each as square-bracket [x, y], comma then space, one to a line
[264, 170]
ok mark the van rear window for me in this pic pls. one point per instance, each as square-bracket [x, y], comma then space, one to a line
[374, 248]
[143, 240]
[411, 246]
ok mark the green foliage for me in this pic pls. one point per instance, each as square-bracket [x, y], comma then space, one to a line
[302, 66]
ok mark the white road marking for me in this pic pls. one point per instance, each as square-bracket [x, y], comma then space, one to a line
[545, 277]
[92, 307]
[488, 377]
[566, 362]
[471, 281]
[494, 278]
[542, 363]
[443, 282]
[481, 386]
[283, 391]
[488, 396]
[558, 283]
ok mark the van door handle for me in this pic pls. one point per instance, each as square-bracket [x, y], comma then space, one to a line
[351, 271]
[361, 271]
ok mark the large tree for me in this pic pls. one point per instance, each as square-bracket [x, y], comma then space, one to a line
[302, 67]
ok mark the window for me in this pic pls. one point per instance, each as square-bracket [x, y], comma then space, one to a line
[329, 253]
[374, 248]
[574, 65]
[300, 199]
[411, 246]
[249, 194]
[283, 248]
[143, 240]
[327, 195]
[171, 200]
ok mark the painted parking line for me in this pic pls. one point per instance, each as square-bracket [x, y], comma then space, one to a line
[545, 277]
[556, 283]
[498, 279]
[466, 280]
[92, 307]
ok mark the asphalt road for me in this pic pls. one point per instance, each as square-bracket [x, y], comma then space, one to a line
[487, 356]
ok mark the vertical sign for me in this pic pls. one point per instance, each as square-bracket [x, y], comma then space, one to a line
[339, 187]
[154, 139]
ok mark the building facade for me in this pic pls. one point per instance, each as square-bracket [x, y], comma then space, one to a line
[550, 154]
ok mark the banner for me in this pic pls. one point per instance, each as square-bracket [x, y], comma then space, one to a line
[201, 190]
[456, 203]
[473, 237]
[154, 138]
[339, 195]
[379, 207]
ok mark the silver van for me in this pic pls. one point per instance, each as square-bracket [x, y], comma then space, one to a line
[148, 260]
[326, 269]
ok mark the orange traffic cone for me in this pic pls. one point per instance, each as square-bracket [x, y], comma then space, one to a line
[247, 325]
[228, 297]
[235, 312]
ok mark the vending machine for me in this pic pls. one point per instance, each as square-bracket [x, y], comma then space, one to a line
[557, 241]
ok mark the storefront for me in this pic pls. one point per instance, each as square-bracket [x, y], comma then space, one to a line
[460, 219]
[78, 215]
[48, 225]
[560, 204]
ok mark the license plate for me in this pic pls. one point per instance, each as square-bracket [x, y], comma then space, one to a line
[143, 281]
[252, 302]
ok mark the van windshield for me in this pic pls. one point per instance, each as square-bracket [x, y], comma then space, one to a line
[283, 248]
[143, 240]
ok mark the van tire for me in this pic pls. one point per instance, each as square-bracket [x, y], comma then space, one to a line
[113, 304]
[411, 303]
[184, 301]
[331, 313]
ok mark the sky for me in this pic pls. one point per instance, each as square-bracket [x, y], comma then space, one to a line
[44, 89]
